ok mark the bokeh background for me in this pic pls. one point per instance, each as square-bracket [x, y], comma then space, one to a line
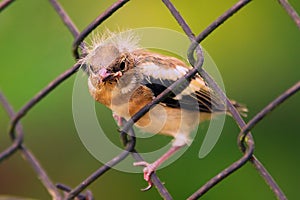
[256, 51]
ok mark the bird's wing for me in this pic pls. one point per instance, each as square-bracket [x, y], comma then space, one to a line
[159, 72]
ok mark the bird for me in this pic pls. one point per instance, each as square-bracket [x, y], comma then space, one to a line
[125, 77]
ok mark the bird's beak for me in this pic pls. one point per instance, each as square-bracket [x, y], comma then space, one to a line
[106, 75]
[103, 74]
[98, 77]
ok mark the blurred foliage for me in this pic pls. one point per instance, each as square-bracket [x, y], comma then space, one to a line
[256, 51]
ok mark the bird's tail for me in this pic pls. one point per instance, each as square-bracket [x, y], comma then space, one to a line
[243, 110]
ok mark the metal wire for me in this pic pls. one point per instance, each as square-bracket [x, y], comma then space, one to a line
[4, 4]
[245, 138]
[290, 10]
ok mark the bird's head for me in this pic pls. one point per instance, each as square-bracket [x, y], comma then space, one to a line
[107, 61]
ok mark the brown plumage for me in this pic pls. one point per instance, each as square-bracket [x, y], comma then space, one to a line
[126, 78]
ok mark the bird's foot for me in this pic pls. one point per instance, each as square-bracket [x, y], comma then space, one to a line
[118, 119]
[148, 170]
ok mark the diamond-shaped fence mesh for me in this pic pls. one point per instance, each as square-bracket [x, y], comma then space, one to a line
[20, 137]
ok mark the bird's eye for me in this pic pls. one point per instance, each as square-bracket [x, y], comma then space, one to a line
[122, 65]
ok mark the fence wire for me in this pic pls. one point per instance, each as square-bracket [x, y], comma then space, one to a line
[245, 138]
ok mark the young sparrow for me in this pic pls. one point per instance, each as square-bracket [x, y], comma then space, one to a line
[125, 78]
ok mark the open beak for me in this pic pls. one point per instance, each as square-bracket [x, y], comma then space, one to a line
[105, 75]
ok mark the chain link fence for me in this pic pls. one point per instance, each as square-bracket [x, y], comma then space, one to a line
[245, 138]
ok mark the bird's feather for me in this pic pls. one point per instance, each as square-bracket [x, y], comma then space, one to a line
[190, 95]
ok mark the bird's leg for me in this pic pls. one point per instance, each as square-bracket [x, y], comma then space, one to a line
[150, 168]
[118, 119]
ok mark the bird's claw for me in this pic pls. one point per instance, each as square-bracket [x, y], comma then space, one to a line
[148, 170]
[148, 187]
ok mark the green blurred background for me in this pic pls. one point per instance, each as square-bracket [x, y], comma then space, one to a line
[256, 51]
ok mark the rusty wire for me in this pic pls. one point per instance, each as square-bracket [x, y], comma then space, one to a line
[40, 172]
[290, 10]
[245, 138]
[4, 4]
